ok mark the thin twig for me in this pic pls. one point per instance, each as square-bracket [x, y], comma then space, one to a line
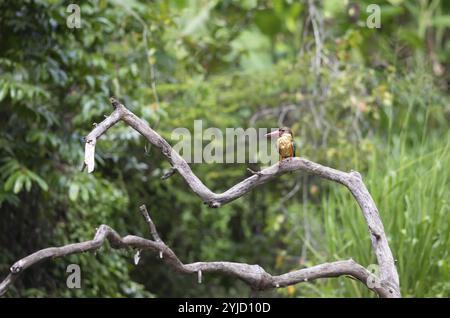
[168, 173]
[254, 172]
[150, 223]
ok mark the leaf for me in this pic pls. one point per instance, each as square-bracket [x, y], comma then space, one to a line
[91, 81]
[9, 184]
[199, 20]
[9, 167]
[268, 23]
[12, 93]
[74, 189]
[134, 69]
[249, 4]
[84, 194]
[20, 94]
[28, 184]
[18, 184]
[3, 91]
[441, 21]
[41, 182]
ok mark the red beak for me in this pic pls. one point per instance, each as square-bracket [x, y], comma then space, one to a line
[273, 134]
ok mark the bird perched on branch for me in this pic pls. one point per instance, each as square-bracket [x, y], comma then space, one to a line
[285, 142]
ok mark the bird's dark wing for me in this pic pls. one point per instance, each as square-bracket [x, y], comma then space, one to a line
[294, 146]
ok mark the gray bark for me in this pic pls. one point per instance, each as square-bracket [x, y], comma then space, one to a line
[256, 277]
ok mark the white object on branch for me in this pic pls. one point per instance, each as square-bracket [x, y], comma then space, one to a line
[253, 275]
[137, 257]
[89, 155]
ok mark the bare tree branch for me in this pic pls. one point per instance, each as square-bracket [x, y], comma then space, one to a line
[253, 275]
[352, 180]
[214, 200]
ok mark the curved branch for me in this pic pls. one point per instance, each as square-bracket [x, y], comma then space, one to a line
[179, 165]
[352, 180]
[253, 275]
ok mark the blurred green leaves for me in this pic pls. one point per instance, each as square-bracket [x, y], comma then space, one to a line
[369, 107]
[16, 177]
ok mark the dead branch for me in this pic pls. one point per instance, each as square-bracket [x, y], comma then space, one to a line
[352, 180]
[252, 275]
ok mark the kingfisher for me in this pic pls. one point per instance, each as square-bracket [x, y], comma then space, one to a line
[285, 142]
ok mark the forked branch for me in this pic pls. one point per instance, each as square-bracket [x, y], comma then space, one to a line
[253, 275]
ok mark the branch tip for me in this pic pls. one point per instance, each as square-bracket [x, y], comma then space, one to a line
[258, 173]
[214, 204]
[356, 174]
[114, 102]
[169, 173]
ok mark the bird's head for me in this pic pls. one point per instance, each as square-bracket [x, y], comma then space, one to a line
[280, 132]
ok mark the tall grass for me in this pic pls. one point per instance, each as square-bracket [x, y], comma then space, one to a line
[408, 177]
[412, 194]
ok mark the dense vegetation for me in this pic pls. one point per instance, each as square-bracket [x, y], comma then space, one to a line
[373, 100]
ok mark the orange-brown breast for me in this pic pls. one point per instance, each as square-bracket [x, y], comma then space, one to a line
[284, 145]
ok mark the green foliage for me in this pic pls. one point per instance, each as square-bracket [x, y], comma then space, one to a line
[378, 103]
